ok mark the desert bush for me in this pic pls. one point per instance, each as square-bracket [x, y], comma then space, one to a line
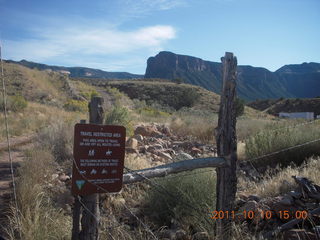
[36, 218]
[93, 94]
[76, 106]
[58, 138]
[197, 124]
[186, 200]
[120, 116]
[14, 103]
[239, 107]
[273, 139]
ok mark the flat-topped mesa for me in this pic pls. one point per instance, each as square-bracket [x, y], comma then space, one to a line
[253, 82]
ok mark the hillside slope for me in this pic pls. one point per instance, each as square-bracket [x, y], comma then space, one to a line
[34, 85]
[253, 82]
[287, 105]
[165, 93]
[79, 71]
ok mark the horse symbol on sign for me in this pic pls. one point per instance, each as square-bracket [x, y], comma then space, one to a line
[108, 153]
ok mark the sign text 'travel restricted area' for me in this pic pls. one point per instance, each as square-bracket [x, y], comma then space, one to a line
[99, 158]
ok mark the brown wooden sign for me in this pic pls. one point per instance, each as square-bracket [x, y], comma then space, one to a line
[98, 158]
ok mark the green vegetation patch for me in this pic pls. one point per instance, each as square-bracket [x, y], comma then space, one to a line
[185, 198]
[76, 105]
[275, 138]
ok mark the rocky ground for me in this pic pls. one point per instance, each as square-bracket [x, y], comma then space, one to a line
[298, 210]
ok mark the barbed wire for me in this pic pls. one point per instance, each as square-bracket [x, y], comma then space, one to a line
[282, 150]
[4, 95]
[315, 121]
[156, 185]
[123, 204]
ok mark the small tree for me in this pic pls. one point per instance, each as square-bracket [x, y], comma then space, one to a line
[239, 105]
[178, 80]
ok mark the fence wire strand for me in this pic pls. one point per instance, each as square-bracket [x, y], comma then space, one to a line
[4, 96]
[123, 204]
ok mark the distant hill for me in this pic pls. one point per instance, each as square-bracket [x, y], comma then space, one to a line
[78, 72]
[164, 92]
[287, 105]
[290, 81]
[34, 85]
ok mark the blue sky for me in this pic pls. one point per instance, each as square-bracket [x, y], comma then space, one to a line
[119, 35]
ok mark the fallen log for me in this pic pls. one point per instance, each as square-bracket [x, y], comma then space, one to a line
[176, 167]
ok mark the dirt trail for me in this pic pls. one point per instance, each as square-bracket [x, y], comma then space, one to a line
[6, 191]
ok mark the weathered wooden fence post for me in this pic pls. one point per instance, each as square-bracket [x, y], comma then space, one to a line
[91, 214]
[227, 146]
[76, 213]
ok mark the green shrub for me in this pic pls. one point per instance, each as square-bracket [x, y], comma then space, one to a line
[76, 106]
[239, 107]
[152, 112]
[273, 139]
[93, 94]
[120, 116]
[187, 199]
[58, 138]
[14, 103]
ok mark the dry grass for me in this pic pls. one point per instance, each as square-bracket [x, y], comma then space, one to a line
[35, 85]
[199, 126]
[37, 219]
[135, 162]
[33, 118]
[274, 184]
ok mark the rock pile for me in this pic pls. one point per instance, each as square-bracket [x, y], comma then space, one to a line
[161, 145]
[295, 215]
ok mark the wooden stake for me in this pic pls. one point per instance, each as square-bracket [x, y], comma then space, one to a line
[227, 146]
[76, 213]
[91, 213]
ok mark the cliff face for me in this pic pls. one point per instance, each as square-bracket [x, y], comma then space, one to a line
[300, 80]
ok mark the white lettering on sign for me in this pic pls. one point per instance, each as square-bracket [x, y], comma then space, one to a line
[82, 133]
[99, 162]
[102, 134]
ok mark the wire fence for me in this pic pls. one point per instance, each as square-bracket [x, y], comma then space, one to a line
[145, 226]
[158, 187]
[4, 95]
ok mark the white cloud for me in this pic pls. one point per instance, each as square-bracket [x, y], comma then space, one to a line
[88, 43]
[139, 8]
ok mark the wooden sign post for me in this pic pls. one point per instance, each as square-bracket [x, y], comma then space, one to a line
[226, 139]
[98, 168]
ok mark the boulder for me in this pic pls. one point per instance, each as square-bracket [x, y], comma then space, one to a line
[147, 131]
[132, 150]
[63, 177]
[164, 155]
[138, 137]
[195, 151]
[295, 194]
[132, 143]
[182, 156]
[170, 151]
[154, 148]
